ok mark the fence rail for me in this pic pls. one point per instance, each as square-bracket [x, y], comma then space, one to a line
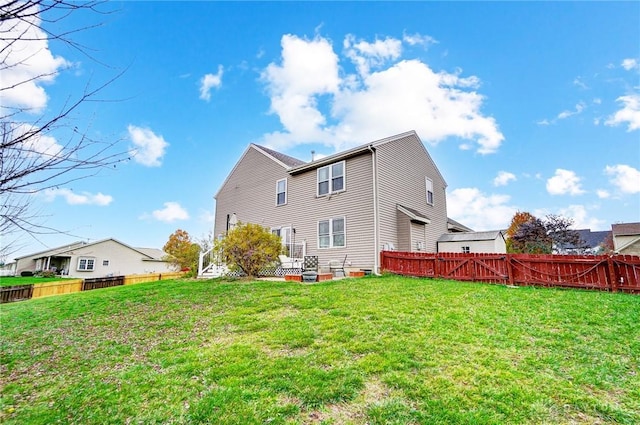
[102, 282]
[68, 286]
[601, 272]
[15, 293]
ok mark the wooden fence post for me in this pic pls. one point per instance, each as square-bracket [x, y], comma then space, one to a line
[613, 281]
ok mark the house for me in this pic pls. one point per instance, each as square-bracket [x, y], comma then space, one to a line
[470, 242]
[107, 257]
[626, 238]
[387, 194]
[590, 242]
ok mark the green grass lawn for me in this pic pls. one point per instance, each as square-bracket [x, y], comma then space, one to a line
[386, 350]
[26, 280]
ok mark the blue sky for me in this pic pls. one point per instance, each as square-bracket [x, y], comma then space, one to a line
[523, 106]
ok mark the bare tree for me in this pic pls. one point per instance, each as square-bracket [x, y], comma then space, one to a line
[42, 149]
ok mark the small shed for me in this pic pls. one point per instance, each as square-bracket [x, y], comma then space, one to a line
[492, 241]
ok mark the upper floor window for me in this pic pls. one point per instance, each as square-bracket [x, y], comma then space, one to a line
[331, 178]
[281, 192]
[331, 233]
[86, 264]
[466, 249]
[429, 191]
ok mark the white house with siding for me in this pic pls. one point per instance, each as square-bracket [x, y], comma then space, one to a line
[473, 242]
[626, 238]
[387, 194]
[108, 257]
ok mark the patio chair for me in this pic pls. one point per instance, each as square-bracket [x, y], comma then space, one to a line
[335, 266]
[310, 268]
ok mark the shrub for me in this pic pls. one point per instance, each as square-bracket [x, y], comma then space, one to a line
[250, 247]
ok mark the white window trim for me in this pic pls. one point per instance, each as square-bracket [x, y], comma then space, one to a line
[330, 167]
[86, 260]
[286, 190]
[429, 184]
[330, 220]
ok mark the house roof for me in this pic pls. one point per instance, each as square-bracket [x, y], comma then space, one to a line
[626, 229]
[150, 253]
[287, 160]
[359, 150]
[593, 239]
[414, 215]
[454, 226]
[471, 236]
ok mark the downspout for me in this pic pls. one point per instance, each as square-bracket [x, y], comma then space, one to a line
[376, 231]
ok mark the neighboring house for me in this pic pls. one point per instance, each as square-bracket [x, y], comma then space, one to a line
[626, 238]
[107, 257]
[455, 227]
[7, 269]
[590, 242]
[473, 242]
[387, 194]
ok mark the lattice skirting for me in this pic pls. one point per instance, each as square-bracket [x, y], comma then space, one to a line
[268, 272]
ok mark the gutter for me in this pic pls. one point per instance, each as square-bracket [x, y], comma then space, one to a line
[376, 224]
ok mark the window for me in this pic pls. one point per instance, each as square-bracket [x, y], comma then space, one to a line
[281, 192]
[331, 178]
[331, 233]
[105, 263]
[466, 250]
[429, 191]
[85, 264]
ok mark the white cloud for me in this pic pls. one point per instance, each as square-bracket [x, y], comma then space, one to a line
[566, 114]
[564, 182]
[371, 55]
[629, 114]
[503, 178]
[418, 39]
[171, 212]
[624, 177]
[27, 64]
[400, 96]
[581, 219]
[210, 81]
[630, 64]
[82, 198]
[148, 148]
[578, 82]
[603, 194]
[478, 211]
[35, 143]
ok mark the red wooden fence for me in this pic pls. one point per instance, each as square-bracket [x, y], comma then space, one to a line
[601, 272]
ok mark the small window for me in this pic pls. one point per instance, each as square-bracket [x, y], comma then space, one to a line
[281, 192]
[105, 263]
[331, 233]
[86, 264]
[429, 183]
[466, 250]
[331, 178]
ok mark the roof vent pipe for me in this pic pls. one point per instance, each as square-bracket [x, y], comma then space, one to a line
[313, 156]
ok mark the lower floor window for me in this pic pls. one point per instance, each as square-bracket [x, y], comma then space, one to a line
[331, 233]
[466, 249]
[86, 264]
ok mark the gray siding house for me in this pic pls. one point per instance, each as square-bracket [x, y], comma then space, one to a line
[108, 257]
[387, 194]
